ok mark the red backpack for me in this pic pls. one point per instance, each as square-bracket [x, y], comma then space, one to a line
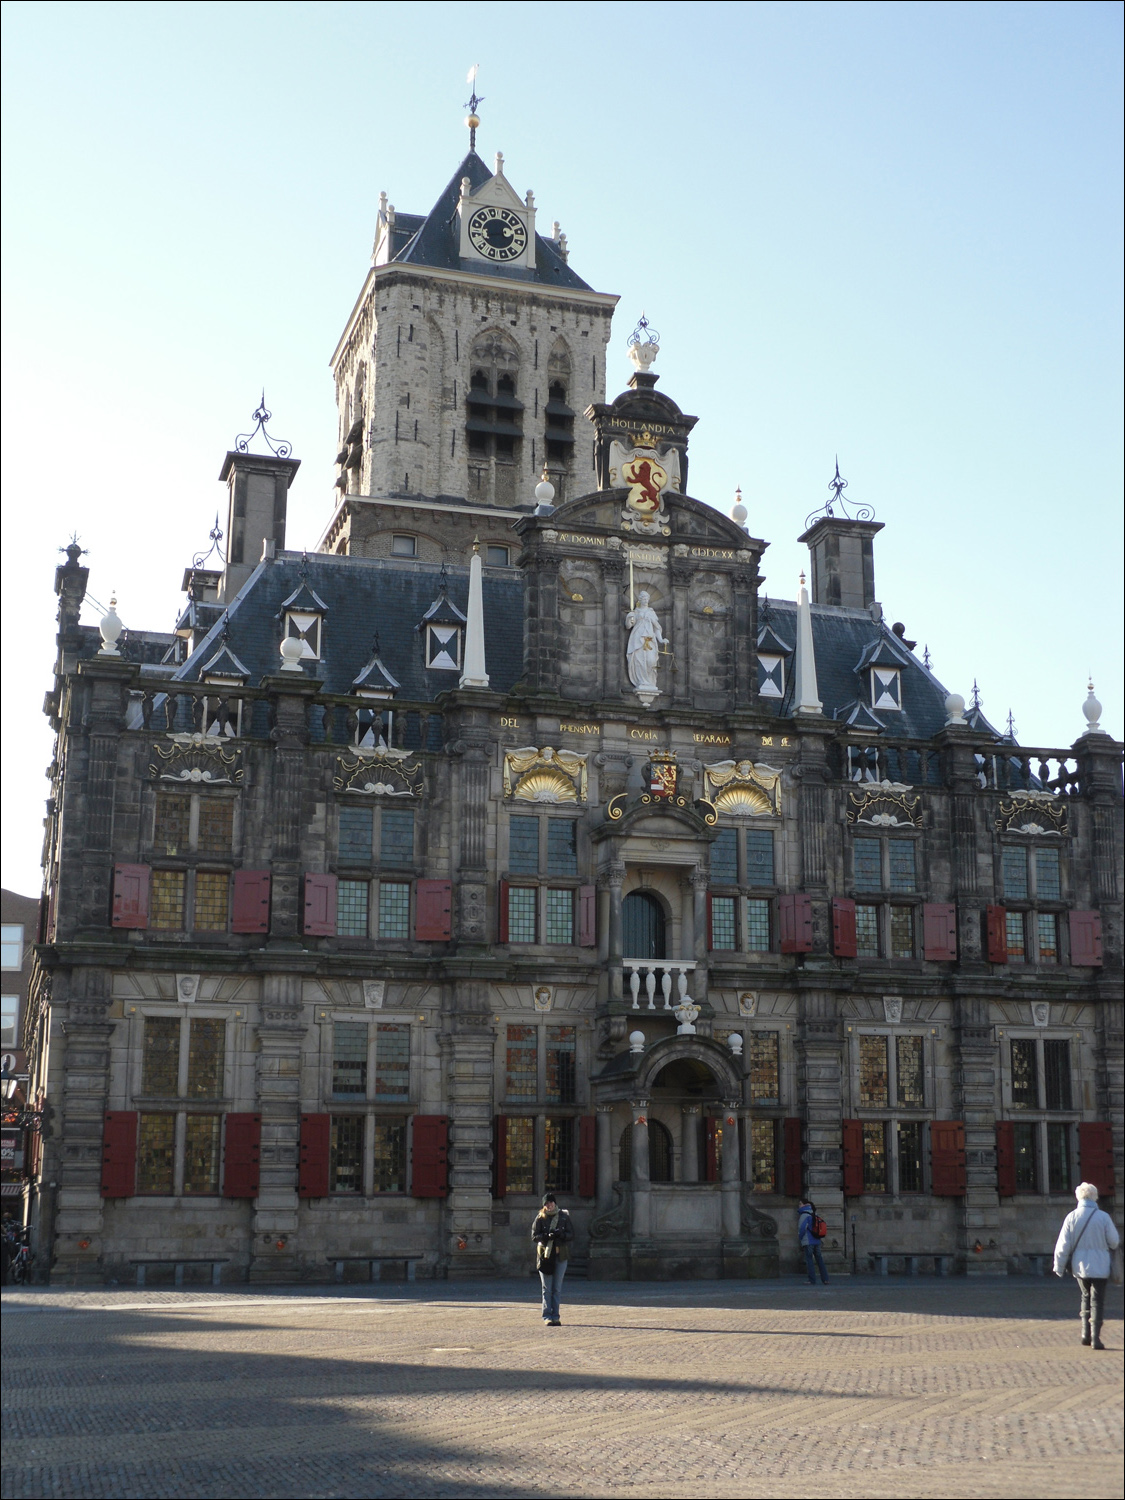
[818, 1226]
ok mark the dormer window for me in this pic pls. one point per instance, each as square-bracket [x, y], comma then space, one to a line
[443, 647]
[771, 676]
[886, 687]
[306, 629]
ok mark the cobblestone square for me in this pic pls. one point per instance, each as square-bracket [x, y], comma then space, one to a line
[864, 1388]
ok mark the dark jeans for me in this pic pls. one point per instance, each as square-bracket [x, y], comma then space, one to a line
[1093, 1301]
[552, 1288]
[810, 1251]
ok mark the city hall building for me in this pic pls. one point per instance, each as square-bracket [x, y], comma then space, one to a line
[514, 839]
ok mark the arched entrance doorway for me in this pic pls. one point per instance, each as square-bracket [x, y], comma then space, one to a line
[659, 1153]
[642, 926]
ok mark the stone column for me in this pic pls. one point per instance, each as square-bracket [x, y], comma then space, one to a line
[604, 1146]
[642, 1193]
[820, 1055]
[975, 1076]
[615, 874]
[732, 1173]
[275, 1249]
[698, 986]
[691, 1143]
[469, 1048]
[613, 640]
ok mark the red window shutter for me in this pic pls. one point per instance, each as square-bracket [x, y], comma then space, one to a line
[430, 1175]
[843, 927]
[947, 1158]
[119, 1154]
[502, 919]
[433, 911]
[792, 1158]
[995, 935]
[242, 1154]
[711, 1144]
[251, 908]
[1005, 1158]
[500, 1156]
[587, 916]
[316, 1150]
[320, 906]
[795, 912]
[1095, 1156]
[587, 1156]
[130, 895]
[853, 1158]
[939, 932]
[1086, 940]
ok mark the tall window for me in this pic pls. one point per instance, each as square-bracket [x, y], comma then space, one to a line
[1027, 1175]
[394, 910]
[1025, 1074]
[351, 908]
[156, 1153]
[355, 835]
[910, 1156]
[765, 1067]
[11, 945]
[522, 1062]
[1048, 884]
[166, 905]
[1016, 933]
[216, 825]
[874, 1157]
[519, 1154]
[723, 925]
[160, 1066]
[349, 1059]
[390, 1154]
[173, 824]
[874, 1073]
[1058, 1159]
[212, 901]
[909, 1072]
[560, 916]
[724, 857]
[201, 1153]
[392, 1061]
[1013, 864]
[757, 925]
[1047, 933]
[345, 1167]
[1056, 1074]
[206, 1040]
[561, 1071]
[868, 860]
[396, 837]
[523, 846]
[1029, 876]
[559, 1154]
[867, 931]
[900, 854]
[902, 932]
[562, 846]
[522, 904]
[759, 857]
[763, 1156]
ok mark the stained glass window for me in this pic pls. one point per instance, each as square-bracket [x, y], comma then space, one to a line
[560, 916]
[1013, 862]
[765, 1067]
[723, 921]
[1017, 937]
[759, 856]
[559, 1152]
[910, 1156]
[757, 925]
[394, 910]
[763, 1156]
[206, 1045]
[874, 1079]
[908, 1070]
[160, 1070]
[519, 1160]
[355, 835]
[211, 901]
[346, 1157]
[868, 854]
[562, 846]
[902, 932]
[902, 864]
[1027, 1177]
[351, 908]
[522, 901]
[561, 1071]
[1047, 931]
[867, 931]
[156, 1144]
[173, 821]
[201, 1154]
[349, 1058]
[1025, 1075]
[874, 1158]
[392, 1061]
[216, 825]
[167, 906]
[396, 837]
[724, 857]
[390, 1154]
[1056, 1074]
[523, 846]
[1048, 886]
[521, 1063]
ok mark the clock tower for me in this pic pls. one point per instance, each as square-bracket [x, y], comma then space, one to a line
[463, 371]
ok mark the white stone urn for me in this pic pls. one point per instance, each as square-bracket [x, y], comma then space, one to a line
[686, 1013]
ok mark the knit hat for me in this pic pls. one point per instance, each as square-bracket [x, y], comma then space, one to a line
[549, 1198]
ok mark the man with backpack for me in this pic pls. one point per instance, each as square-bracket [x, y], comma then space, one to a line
[811, 1229]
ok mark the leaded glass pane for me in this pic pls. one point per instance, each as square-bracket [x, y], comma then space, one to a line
[1027, 1177]
[902, 864]
[521, 1063]
[562, 846]
[765, 1067]
[723, 924]
[1048, 886]
[206, 1045]
[216, 825]
[561, 1071]
[349, 1058]
[560, 917]
[166, 913]
[396, 837]
[201, 1154]
[346, 1159]
[1058, 1159]
[763, 1156]
[523, 846]
[392, 1061]
[908, 1069]
[724, 857]
[212, 892]
[351, 908]
[757, 925]
[1016, 933]
[160, 1070]
[1013, 864]
[1025, 1075]
[521, 913]
[156, 1148]
[1047, 931]
[867, 931]
[394, 910]
[910, 1157]
[874, 1158]
[519, 1154]
[355, 835]
[390, 1154]
[173, 820]
[559, 1152]
[759, 856]
[868, 855]
[902, 932]
[874, 1079]
[1056, 1074]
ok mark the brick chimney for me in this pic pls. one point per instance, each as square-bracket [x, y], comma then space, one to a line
[842, 561]
[258, 491]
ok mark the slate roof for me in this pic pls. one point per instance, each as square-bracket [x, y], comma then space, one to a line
[437, 239]
[364, 597]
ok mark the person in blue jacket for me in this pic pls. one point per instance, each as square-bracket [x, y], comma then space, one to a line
[809, 1242]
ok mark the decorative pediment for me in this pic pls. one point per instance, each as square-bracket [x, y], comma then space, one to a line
[196, 758]
[743, 789]
[885, 804]
[547, 775]
[1032, 812]
[379, 773]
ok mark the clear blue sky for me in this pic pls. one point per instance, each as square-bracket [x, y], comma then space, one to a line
[886, 231]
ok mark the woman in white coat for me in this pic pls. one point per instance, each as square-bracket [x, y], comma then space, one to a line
[1087, 1241]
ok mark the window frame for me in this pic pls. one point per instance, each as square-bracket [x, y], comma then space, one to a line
[895, 1114]
[1032, 906]
[17, 943]
[1037, 1120]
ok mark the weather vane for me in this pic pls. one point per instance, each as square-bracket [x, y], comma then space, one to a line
[838, 484]
[472, 119]
[278, 447]
[216, 536]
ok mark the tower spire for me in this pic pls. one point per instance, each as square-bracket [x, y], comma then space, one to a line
[474, 674]
[806, 698]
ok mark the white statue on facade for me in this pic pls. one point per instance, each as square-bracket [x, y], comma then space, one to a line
[642, 653]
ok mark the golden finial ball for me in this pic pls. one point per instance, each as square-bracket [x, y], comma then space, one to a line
[472, 122]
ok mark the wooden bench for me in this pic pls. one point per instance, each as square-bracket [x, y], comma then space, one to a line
[374, 1264]
[942, 1263]
[1040, 1265]
[215, 1262]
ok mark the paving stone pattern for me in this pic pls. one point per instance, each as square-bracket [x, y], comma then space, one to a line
[857, 1389]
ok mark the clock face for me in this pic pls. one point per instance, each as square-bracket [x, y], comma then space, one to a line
[497, 234]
